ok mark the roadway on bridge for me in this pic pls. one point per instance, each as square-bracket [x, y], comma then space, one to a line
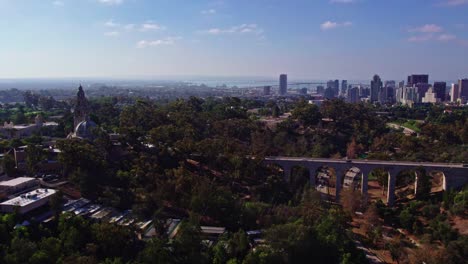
[369, 162]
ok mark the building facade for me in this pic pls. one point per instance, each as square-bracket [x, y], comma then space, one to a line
[376, 87]
[463, 89]
[440, 90]
[283, 88]
[417, 78]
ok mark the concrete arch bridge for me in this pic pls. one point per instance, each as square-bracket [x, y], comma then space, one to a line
[454, 175]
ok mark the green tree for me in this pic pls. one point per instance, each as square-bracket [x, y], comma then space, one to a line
[156, 251]
[34, 155]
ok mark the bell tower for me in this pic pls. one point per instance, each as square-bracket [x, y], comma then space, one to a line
[81, 112]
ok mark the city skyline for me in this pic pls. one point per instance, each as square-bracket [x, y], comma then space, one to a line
[149, 39]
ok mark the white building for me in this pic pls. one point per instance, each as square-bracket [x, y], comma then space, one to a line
[430, 97]
[454, 93]
[28, 201]
[10, 130]
[17, 185]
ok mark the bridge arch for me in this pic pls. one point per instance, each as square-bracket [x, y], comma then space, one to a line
[455, 176]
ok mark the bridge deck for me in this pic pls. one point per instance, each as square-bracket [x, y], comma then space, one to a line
[369, 162]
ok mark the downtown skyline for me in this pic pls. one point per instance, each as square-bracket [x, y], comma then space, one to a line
[352, 39]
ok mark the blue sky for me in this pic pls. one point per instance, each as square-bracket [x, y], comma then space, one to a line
[308, 39]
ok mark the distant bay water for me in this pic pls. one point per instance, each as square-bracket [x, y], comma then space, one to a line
[226, 82]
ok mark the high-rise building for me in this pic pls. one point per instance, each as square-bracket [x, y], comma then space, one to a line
[401, 84]
[454, 92]
[390, 84]
[422, 89]
[440, 90]
[430, 97]
[283, 88]
[320, 89]
[266, 90]
[390, 91]
[303, 91]
[376, 87]
[417, 78]
[353, 95]
[344, 87]
[463, 88]
[337, 87]
[329, 93]
[363, 91]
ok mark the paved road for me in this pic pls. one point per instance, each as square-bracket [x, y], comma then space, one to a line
[406, 130]
[373, 259]
[370, 162]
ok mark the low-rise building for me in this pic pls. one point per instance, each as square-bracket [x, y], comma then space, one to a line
[28, 201]
[10, 130]
[352, 179]
[17, 185]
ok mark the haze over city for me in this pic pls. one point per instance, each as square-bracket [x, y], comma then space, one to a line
[348, 39]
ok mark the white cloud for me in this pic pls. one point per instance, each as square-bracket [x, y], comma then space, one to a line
[432, 37]
[150, 26]
[430, 32]
[58, 3]
[447, 37]
[159, 42]
[111, 23]
[454, 2]
[428, 28]
[332, 25]
[421, 38]
[241, 29]
[129, 27]
[112, 34]
[208, 12]
[342, 1]
[111, 2]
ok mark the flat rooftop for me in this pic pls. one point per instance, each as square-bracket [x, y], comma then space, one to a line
[16, 181]
[30, 197]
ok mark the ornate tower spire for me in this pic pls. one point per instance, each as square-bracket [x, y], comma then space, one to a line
[81, 108]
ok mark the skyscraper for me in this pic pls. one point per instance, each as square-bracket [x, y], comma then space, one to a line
[454, 92]
[439, 89]
[417, 78]
[320, 89]
[376, 87]
[353, 95]
[422, 89]
[401, 84]
[430, 97]
[266, 90]
[390, 91]
[329, 93]
[463, 88]
[283, 89]
[344, 87]
[337, 87]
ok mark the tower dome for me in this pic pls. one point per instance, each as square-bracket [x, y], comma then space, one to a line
[85, 129]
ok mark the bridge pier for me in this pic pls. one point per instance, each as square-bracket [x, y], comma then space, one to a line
[365, 184]
[312, 175]
[415, 184]
[338, 185]
[287, 173]
[392, 175]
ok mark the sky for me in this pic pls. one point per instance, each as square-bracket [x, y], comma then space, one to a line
[307, 39]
